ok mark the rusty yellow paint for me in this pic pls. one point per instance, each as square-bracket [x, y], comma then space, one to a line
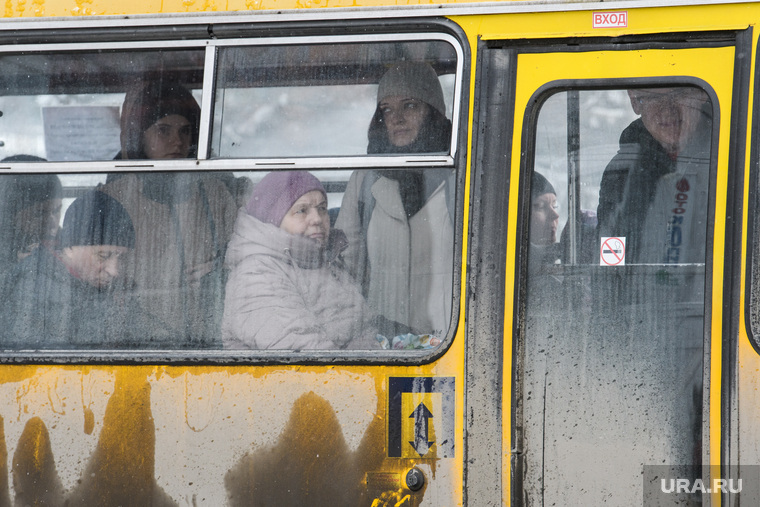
[163, 435]
[310, 464]
[579, 23]
[122, 467]
[35, 478]
[516, 25]
[5, 493]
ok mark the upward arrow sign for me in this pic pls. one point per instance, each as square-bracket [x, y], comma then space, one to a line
[421, 415]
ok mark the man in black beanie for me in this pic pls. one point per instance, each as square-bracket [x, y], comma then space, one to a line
[64, 298]
[96, 232]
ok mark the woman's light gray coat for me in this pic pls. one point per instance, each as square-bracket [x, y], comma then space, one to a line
[285, 292]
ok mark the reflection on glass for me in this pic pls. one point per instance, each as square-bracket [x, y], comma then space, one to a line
[66, 106]
[317, 100]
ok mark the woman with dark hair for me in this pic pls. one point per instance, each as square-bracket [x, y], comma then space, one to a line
[182, 220]
[399, 223]
[159, 120]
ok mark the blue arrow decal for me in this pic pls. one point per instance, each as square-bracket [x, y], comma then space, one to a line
[421, 443]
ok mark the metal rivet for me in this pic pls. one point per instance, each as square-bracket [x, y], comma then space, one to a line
[415, 479]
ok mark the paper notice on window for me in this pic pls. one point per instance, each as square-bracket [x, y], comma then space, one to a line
[78, 133]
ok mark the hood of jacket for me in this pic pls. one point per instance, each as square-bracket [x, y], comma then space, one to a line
[251, 236]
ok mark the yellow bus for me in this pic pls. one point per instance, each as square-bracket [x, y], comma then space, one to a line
[378, 253]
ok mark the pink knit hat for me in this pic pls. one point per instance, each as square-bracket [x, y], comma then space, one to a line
[274, 195]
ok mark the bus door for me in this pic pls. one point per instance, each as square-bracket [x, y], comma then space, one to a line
[615, 237]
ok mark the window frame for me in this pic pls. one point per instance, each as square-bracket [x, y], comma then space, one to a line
[202, 162]
[84, 37]
[355, 161]
[527, 166]
[753, 219]
[531, 115]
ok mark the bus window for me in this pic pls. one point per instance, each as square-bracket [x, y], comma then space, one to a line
[315, 100]
[66, 106]
[149, 245]
[158, 260]
[613, 346]
[127, 262]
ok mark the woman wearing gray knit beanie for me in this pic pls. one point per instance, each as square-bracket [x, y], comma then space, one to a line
[399, 222]
[411, 113]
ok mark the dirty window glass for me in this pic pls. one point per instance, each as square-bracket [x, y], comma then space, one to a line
[286, 260]
[66, 106]
[612, 352]
[317, 99]
[97, 257]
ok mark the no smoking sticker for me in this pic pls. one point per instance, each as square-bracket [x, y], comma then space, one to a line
[612, 252]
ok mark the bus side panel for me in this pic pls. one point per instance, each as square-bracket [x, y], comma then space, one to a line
[210, 436]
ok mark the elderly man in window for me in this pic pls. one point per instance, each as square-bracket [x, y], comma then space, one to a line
[67, 298]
